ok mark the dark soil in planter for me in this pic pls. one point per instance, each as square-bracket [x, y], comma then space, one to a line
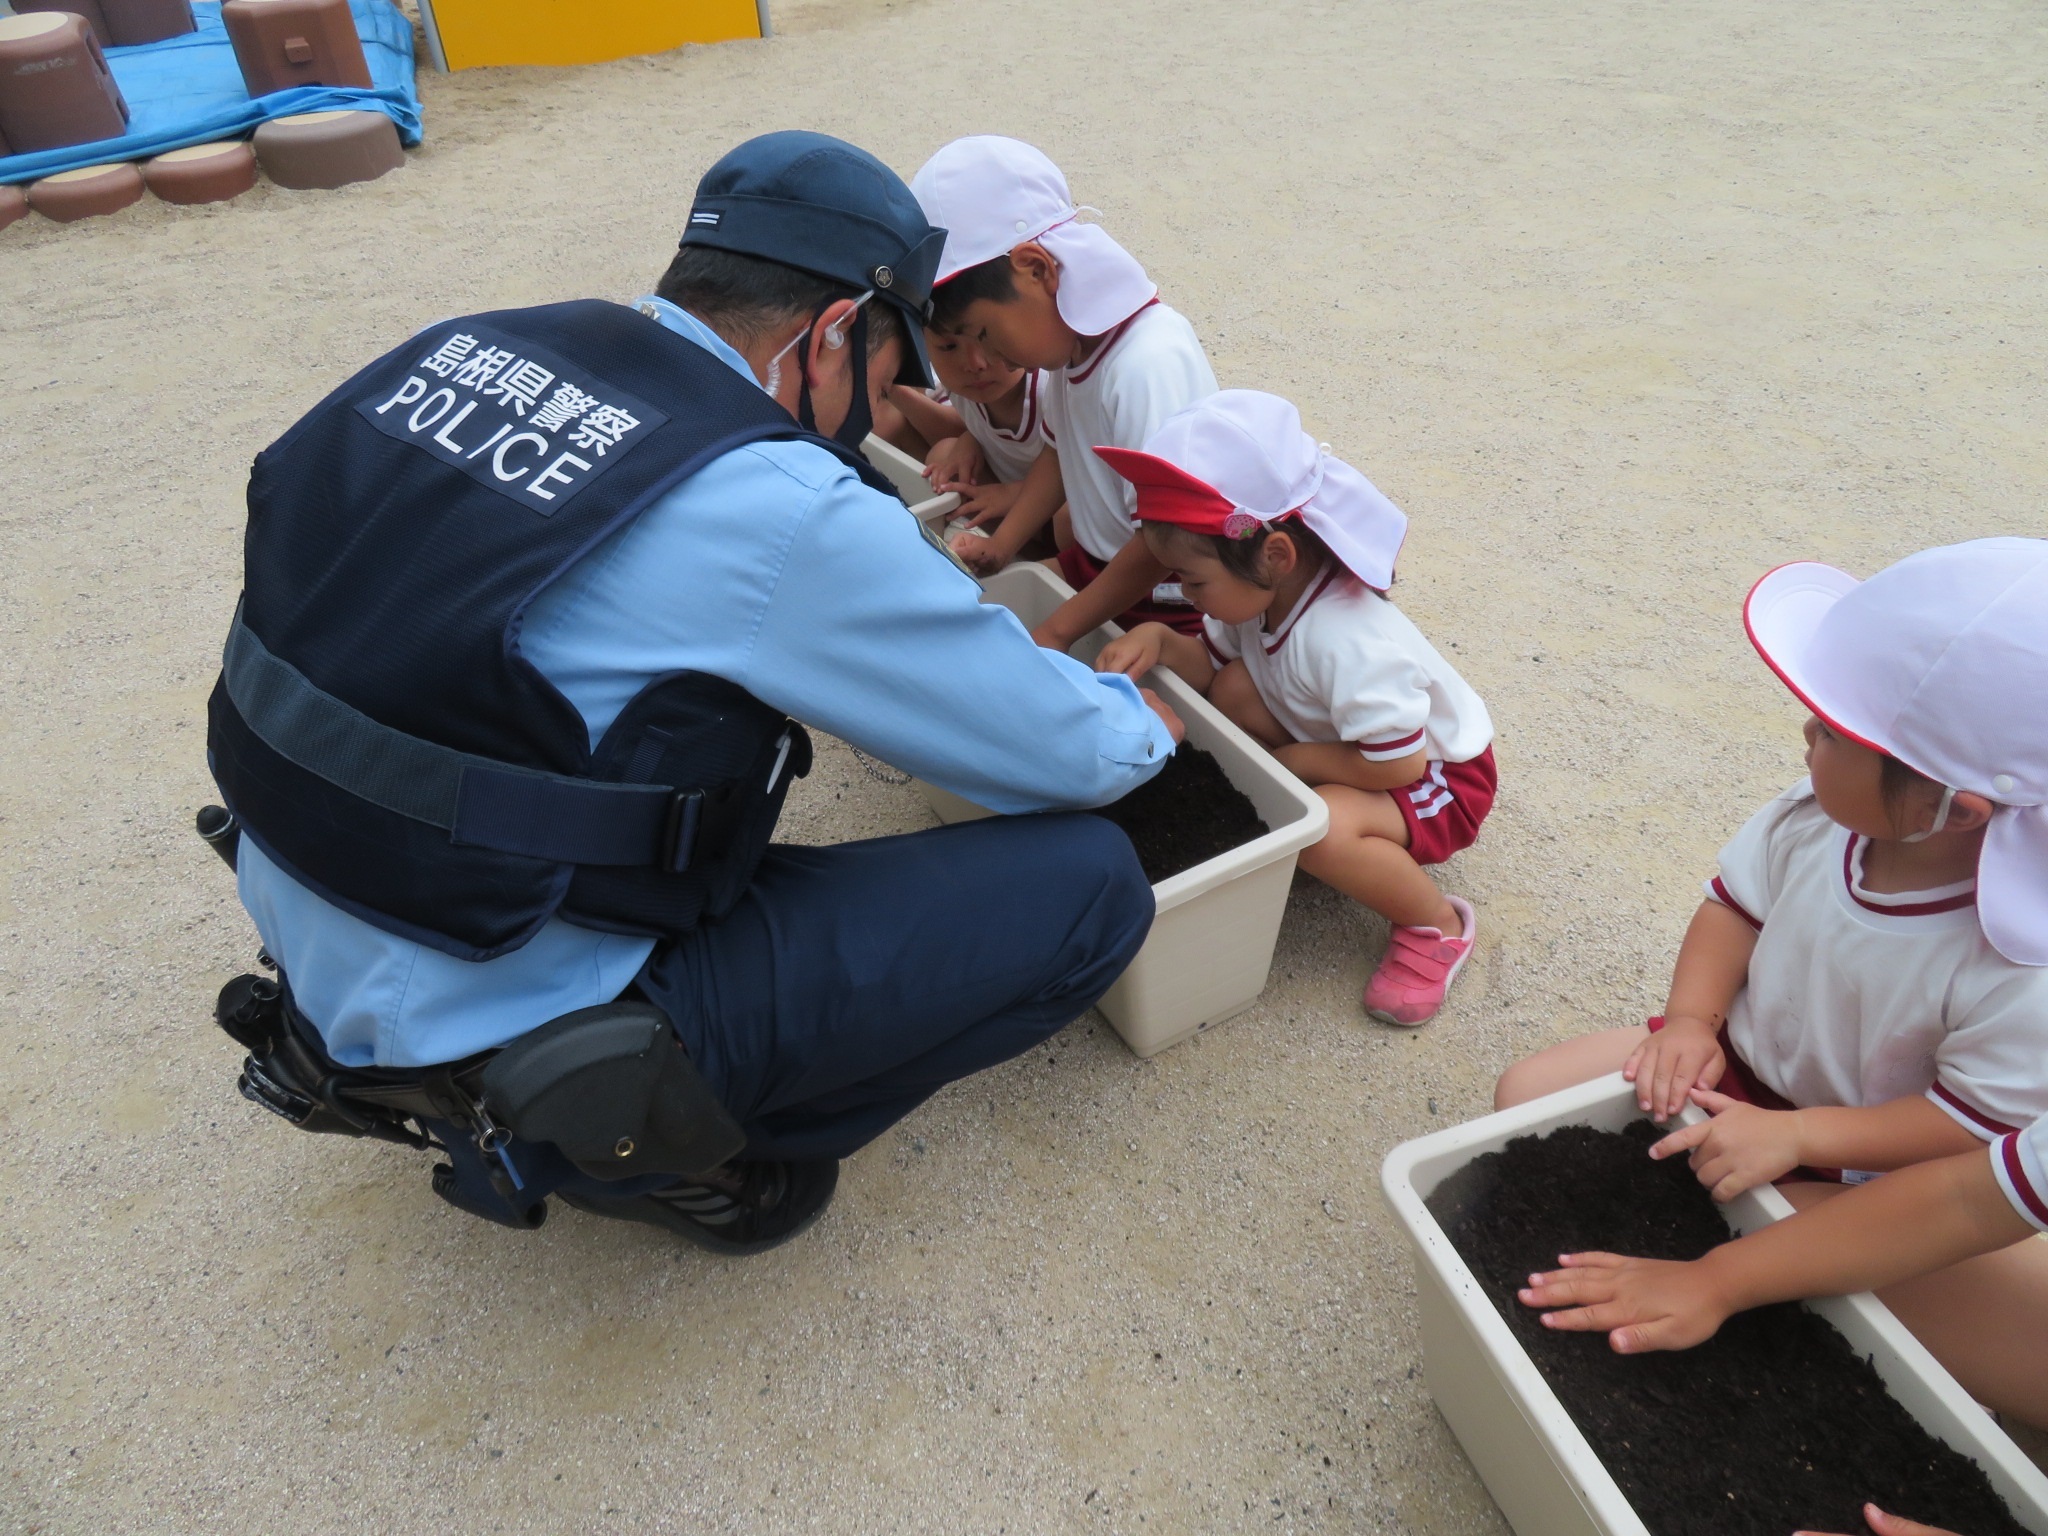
[1185, 815]
[1774, 1425]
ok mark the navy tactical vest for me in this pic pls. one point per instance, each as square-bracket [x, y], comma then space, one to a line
[376, 729]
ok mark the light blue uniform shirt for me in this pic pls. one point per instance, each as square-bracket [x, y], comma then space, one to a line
[776, 568]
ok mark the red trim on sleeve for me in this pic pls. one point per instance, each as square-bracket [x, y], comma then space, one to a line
[2008, 1152]
[1397, 746]
[1971, 1116]
[1209, 645]
[1721, 895]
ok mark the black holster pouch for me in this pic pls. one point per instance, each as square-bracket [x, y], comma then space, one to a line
[613, 1089]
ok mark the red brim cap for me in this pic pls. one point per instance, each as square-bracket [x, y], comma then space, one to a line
[1782, 613]
[1169, 494]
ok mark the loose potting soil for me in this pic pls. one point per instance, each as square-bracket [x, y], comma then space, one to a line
[1185, 815]
[1774, 1425]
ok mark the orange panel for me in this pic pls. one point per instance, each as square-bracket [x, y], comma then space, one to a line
[481, 32]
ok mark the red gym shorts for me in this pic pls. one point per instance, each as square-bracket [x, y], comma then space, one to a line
[1079, 567]
[1445, 806]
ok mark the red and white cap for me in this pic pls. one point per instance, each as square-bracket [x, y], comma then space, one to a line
[991, 194]
[1942, 662]
[1238, 462]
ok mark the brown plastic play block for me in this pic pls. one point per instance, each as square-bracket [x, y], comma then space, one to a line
[13, 204]
[91, 10]
[71, 195]
[328, 149]
[134, 22]
[283, 43]
[54, 86]
[205, 173]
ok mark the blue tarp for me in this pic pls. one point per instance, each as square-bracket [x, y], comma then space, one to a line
[188, 90]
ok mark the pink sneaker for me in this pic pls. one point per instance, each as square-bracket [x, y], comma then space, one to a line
[1417, 970]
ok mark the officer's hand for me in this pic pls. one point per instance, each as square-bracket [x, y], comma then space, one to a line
[1174, 725]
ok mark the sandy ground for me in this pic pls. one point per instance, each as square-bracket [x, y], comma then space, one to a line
[1624, 303]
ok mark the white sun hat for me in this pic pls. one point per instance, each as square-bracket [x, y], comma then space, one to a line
[1942, 662]
[991, 194]
[1238, 462]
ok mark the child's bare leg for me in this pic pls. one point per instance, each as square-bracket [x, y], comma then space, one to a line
[1233, 691]
[1365, 855]
[1567, 1064]
[1062, 528]
[1985, 1319]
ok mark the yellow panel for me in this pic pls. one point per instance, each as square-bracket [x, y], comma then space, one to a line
[479, 32]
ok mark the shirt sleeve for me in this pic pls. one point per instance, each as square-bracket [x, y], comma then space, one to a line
[871, 634]
[1378, 695]
[1987, 1069]
[1752, 864]
[2020, 1162]
[1220, 641]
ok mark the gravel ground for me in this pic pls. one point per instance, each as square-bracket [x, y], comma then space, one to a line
[1624, 303]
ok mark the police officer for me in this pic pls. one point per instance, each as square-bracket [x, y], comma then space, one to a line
[506, 719]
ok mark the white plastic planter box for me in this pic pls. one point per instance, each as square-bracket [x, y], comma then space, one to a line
[1211, 945]
[1534, 1461]
[907, 475]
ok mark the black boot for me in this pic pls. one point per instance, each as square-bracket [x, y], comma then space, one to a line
[741, 1208]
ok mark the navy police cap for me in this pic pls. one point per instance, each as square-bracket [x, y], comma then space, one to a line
[816, 203]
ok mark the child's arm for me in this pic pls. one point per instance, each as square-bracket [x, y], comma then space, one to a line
[1127, 579]
[1151, 645]
[1713, 965]
[1340, 762]
[1906, 1224]
[1743, 1146]
[1043, 491]
[933, 421]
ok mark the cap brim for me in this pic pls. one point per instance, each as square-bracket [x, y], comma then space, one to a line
[1151, 471]
[1782, 613]
[916, 367]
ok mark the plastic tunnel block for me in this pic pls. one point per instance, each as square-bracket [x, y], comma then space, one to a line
[93, 14]
[474, 33]
[328, 149]
[55, 88]
[72, 195]
[205, 173]
[283, 43]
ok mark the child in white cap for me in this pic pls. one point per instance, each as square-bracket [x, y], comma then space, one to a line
[1023, 277]
[982, 424]
[1288, 553]
[1866, 984]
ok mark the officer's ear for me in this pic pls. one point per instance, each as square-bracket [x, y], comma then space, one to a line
[830, 338]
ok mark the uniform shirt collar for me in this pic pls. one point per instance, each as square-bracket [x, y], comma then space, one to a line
[685, 324]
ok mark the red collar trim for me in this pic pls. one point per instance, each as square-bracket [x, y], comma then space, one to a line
[1279, 637]
[1027, 419]
[1086, 371]
[1884, 906]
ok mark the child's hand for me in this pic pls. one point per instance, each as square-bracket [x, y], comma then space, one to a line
[1667, 1066]
[1740, 1148]
[953, 465]
[1133, 654]
[1641, 1304]
[988, 503]
[977, 553]
[1889, 1525]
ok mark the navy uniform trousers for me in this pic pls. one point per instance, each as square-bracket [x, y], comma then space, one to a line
[854, 981]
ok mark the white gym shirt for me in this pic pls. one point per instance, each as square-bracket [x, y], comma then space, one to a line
[1009, 455]
[1858, 998]
[1347, 665]
[1149, 367]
